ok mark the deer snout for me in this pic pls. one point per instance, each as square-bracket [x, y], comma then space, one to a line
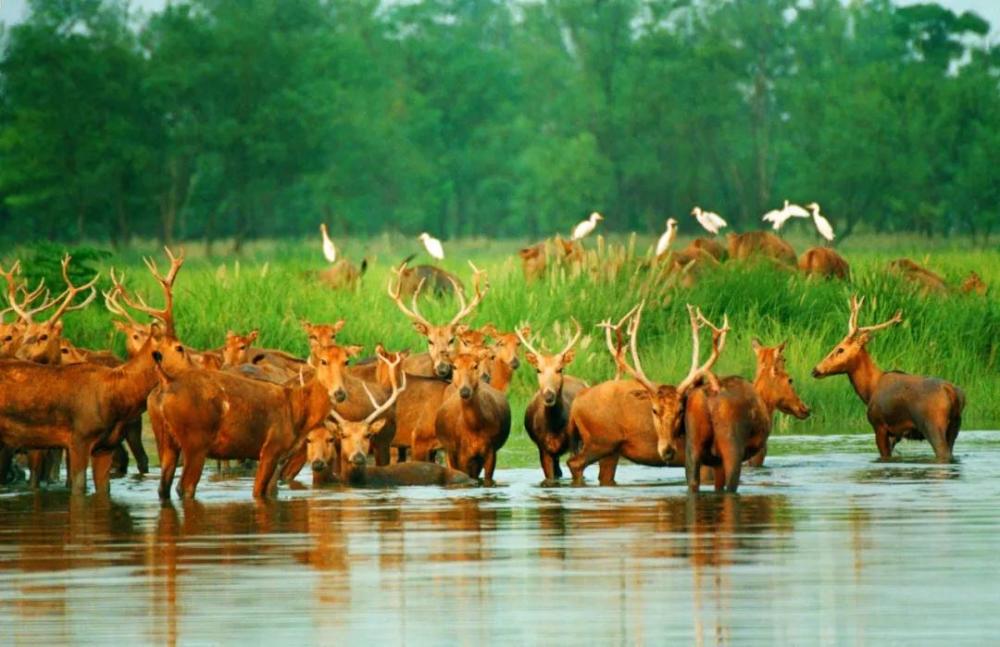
[340, 395]
[358, 458]
[549, 397]
[802, 412]
[465, 392]
[816, 373]
[515, 363]
[443, 370]
[318, 465]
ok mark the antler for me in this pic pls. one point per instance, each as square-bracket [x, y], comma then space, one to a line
[465, 309]
[111, 302]
[413, 313]
[636, 369]
[718, 343]
[379, 409]
[613, 348]
[71, 292]
[572, 342]
[13, 288]
[525, 342]
[852, 325]
[166, 315]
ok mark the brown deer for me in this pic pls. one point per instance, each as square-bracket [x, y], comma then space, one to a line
[710, 246]
[12, 333]
[212, 414]
[437, 281]
[473, 422]
[533, 261]
[416, 410]
[727, 424]
[634, 418]
[919, 276]
[440, 338]
[899, 405]
[546, 419]
[343, 274]
[322, 335]
[973, 284]
[762, 244]
[824, 262]
[506, 346]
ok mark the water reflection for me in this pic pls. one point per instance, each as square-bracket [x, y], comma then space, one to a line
[818, 548]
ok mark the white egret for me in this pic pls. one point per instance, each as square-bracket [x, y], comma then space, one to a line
[583, 229]
[712, 222]
[778, 217]
[328, 249]
[433, 246]
[822, 224]
[667, 239]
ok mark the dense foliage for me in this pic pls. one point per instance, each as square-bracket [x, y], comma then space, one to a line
[259, 118]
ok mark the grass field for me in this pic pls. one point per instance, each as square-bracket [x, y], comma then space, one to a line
[269, 288]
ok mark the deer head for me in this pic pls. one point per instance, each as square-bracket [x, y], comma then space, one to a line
[469, 370]
[506, 345]
[549, 367]
[356, 436]
[40, 340]
[236, 349]
[773, 382]
[20, 300]
[322, 335]
[440, 338]
[330, 363]
[844, 355]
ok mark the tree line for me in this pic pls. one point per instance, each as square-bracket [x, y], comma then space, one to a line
[240, 119]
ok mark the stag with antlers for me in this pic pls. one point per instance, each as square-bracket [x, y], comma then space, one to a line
[899, 405]
[440, 338]
[633, 418]
[546, 419]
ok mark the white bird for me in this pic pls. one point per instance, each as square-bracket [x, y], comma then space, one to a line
[712, 222]
[328, 249]
[822, 224]
[583, 229]
[667, 239]
[433, 246]
[778, 217]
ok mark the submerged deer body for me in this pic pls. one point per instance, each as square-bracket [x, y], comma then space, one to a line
[727, 425]
[473, 422]
[546, 418]
[899, 405]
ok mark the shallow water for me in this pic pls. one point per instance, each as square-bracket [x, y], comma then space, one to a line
[825, 545]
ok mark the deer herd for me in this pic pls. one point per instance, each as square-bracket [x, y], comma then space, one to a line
[386, 419]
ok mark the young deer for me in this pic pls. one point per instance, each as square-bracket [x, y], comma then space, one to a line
[473, 422]
[730, 423]
[440, 338]
[631, 418]
[899, 405]
[546, 419]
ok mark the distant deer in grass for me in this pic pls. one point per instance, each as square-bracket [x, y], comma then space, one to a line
[761, 244]
[824, 262]
[899, 405]
[546, 418]
[533, 261]
[632, 418]
[473, 422]
[440, 338]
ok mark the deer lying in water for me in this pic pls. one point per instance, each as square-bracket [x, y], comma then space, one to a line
[546, 419]
[440, 338]
[473, 422]
[899, 405]
[631, 418]
[824, 262]
[729, 421]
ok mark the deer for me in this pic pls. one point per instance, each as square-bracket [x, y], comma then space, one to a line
[632, 418]
[322, 335]
[710, 246]
[440, 338]
[473, 422]
[437, 281]
[762, 244]
[83, 407]
[343, 274]
[899, 405]
[919, 276]
[825, 263]
[533, 261]
[213, 414]
[546, 418]
[729, 421]
[506, 346]
[12, 333]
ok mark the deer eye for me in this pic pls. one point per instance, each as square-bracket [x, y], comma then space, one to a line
[451, 341]
[8, 338]
[840, 351]
[65, 351]
[179, 349]
[43, 338]
[243, 347]
[329, 441]
[790, 380]
[323, 362]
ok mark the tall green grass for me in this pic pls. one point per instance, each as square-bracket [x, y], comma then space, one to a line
[270, 287]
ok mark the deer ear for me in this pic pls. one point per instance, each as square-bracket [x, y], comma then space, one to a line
[489, 330]
[155, 330]
[252, 337]
[568, 356]
[337, 327]
[461, 329]
[376, 426]
[120, 326]
[421, 328]
[526, 331]
[306, 326]
[755, 345]
[57, 328]
[353, 351]
[781, 347]
[230, 334]
[532, 359]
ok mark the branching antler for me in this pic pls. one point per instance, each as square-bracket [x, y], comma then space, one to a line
[698, 320]
[14, 287]
[395, 294]
[617, 344]
[852, 323]
[379, 409]
[136, 302]
[71, 292]
[572, 341]
[465, 309]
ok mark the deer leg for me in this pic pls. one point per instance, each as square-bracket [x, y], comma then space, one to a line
[383, 454]
[133, 436]
[488, 467]
[732, 465]
[6, 465]
[401, 454]
[692, 467]
[36, 464]
[119, 461]
[168, 465]
[79, 456]
[194, 462]
[935, 435]
[758, 459]
[548, 467]
[294, 464]
[883, 443]
[101, 463]
[265, 470]
[608, 466]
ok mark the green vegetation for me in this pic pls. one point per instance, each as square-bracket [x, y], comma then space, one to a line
[955, 337]
[256, 119]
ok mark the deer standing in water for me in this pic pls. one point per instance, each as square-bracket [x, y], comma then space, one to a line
[440, 338]
[546, 418]
[899, 405]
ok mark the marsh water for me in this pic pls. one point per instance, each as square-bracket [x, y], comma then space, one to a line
[825, 545]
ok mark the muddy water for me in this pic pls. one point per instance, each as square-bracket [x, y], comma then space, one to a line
[823, 546]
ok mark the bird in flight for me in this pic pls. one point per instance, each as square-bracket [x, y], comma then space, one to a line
[778, 217]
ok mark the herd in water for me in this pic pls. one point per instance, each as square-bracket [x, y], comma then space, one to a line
[438, 417]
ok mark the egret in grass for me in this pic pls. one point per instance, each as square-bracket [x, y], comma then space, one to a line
[329, 251]
[433, 246]
[667, 239]
[710, 221]
[823, 225]
[583, 229]
[778, 217]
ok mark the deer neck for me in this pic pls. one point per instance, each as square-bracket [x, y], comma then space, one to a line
[502, 373]
[472, 409]
[864, 375]
[310, 405]
[761, 387]
[134, 380]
